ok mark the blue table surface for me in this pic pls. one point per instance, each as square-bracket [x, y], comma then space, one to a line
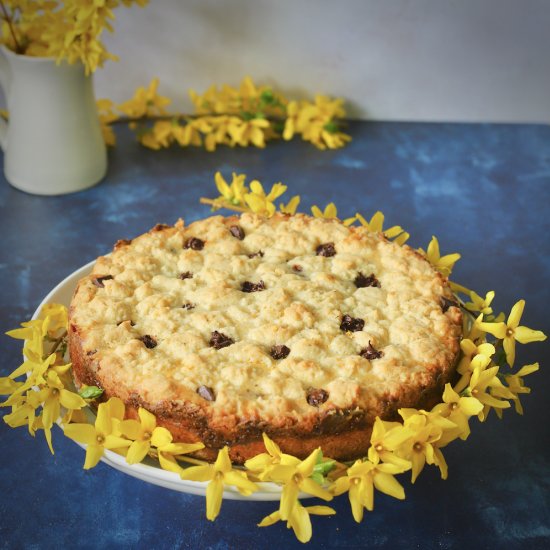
[484, 190]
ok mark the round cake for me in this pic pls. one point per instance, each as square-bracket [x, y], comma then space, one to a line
[298, 327]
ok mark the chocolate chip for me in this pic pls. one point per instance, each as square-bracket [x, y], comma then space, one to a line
[206, 393]
[188, 305]
[446, 303]
[297, 268]
[316, 397]
[159, 227]
[279, 351]
[148, 341]
[237, 231]
[352, 324]
[91, 352]
[362, 282]
[254, 254]
[326, 249]
[98, 281]
[219, 340]
[247, 286]
[186, 275]
[194, 244]
[370, 352]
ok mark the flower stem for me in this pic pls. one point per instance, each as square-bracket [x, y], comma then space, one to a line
[9, 21]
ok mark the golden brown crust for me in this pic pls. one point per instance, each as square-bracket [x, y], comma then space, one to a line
[342, 424]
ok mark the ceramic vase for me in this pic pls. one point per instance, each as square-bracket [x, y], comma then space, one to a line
[52, 141]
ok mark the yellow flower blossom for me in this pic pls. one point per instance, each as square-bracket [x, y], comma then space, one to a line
[244, 132]
[479, 362]
[57, 315]
[218, 131]
[8, 386]
[53, 396]
[103, 435]
[479, 304]
[167, 450]
[291, 206]
[233, 192]
[107, 116]
[470, 350]
[219, 474]
[261, 203]
[444, 264]
[510, 332]
[483, 381]
[376, 225]
[385, 439]
[291, 122]
[69, 31]
[328, 213]
[315, 121]
[449, 430]
[262, 463]
[360, 481]
[146, 434]
[23, 408]
[299, 519]
[145, 102]
[191, 133]
[420, 448]
[458, 409]
[516, 386]
[140, 433]
[165, 132]
[36, 369]
[295, 475]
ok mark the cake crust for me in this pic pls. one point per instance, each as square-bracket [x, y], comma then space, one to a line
[298, 327]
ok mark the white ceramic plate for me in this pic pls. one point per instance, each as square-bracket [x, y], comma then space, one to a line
[62, 294]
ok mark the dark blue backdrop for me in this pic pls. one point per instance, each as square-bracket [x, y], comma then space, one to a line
[482, 189]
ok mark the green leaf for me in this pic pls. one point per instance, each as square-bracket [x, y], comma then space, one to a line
[500, 357]
[324, 467]
[317, 477]
[331, 127]
[278, 126]
[267, 97]
[90, 392]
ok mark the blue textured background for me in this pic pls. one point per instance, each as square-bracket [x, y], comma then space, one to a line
[484, 190]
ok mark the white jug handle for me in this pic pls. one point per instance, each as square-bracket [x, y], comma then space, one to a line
[5, 83]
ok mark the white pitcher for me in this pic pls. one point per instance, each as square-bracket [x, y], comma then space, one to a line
[52, 142]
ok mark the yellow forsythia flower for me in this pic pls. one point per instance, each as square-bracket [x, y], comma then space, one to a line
[261, 203]
[328, 213]
[510, 332]
[376, 225]
[146, 102]
[219, 474]
[291, 206]
[103, 435]
[145, 434]
[444, 264]
[295, 475]
[299, 519]
[360, 481]
[458, 409]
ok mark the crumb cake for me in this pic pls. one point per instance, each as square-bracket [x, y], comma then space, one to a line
[298, 327]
